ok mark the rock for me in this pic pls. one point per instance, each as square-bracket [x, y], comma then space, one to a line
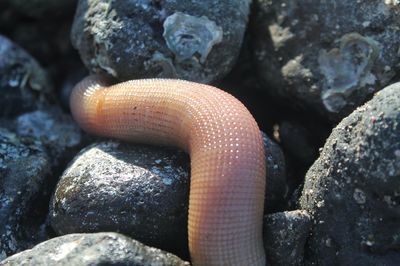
[191, 40]
[297, 140]
[93, 249]
[327, 57]
[276, 189]
[24, 85]
[24, 169]
[302, 139]
[56, 130]
[141, 191]
[42, 9]
[50, 45]
[42, 28]
[285, 235]
[352, 190]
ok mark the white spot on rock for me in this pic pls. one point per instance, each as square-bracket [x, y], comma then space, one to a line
[359, 196]
[346, 69]
[188, 35]
[64, 250]
[167, 181]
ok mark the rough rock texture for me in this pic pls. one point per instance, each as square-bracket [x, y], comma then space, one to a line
[56, 130]
[328, 56]
[276, 189]
[94, 249]
[141, 191]
[51, 46]
[24, 168]
[23, 83]
[42, 28]
[352, 190]
[285, 235]
[194, 40]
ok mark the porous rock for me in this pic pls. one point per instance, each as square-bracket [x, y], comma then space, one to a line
[23, 83]
[24, 169]
[285, 235]
[328, 56]
[352, 190]
[193, 40]
[93, 249]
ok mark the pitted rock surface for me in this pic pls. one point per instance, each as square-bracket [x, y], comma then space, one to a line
[352, 190]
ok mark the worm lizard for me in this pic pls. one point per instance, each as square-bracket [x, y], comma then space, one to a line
[224, 143]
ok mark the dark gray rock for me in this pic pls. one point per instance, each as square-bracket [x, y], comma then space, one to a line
[23, 83]
[24, 169]
[50, 126]
[48, 44]
[141, 191]
[297, 141]
[194, 40]
[46, 37]
[302, 138]
[352, 190]
[8, 18]
[328, 56]
[285, 235]
[276, 189]
[94, 249]
[42, 9]
[56, 130]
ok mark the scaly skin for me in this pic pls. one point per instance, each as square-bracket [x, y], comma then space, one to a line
[225, 145]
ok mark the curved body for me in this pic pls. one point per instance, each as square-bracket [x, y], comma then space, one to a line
[223, 140]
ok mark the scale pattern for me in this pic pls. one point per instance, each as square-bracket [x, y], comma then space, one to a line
[223, 140]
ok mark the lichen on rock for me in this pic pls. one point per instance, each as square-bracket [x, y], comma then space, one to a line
[190, 36]
[347, 68]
